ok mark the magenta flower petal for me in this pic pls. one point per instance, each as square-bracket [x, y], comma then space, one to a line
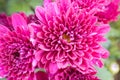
[38, 55]
[53, 68]
[18, 20]
[40, 16]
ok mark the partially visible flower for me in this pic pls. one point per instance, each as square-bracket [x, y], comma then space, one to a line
[68, 39]
[70, 73]
[110, 12]
[105, 10]
[6, 20]
[16, 51]
[88, 5]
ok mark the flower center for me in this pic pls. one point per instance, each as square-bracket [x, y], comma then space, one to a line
[16, 55]
[66, 37]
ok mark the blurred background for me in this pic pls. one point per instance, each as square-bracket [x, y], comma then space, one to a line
[111, 71]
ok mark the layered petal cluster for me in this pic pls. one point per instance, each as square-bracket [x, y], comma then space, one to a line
[68, 39]
[16, 51]
[70, 73]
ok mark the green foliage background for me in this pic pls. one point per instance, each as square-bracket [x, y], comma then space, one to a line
[113, 44]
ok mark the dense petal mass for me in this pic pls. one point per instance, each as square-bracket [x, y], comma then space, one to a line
[70, 38]
[106, 10]
[88, 5]
[70, 73]
[16, 51]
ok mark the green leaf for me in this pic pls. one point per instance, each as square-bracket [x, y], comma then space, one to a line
[3, 79]
[26, 6]
[34, 3]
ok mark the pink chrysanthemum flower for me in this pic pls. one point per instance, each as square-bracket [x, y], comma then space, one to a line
[70, 73]
[110, 12]
[69, 39]
[16, 51]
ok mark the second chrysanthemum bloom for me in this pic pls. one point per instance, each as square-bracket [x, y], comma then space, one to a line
[16, 50]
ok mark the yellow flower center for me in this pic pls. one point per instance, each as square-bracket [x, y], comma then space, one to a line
[66, 37]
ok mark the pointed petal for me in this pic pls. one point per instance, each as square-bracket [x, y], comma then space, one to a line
[53, 68]
[98, 62]
[104, 28]
[19, 21]
[40, 13]
[38, 55]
